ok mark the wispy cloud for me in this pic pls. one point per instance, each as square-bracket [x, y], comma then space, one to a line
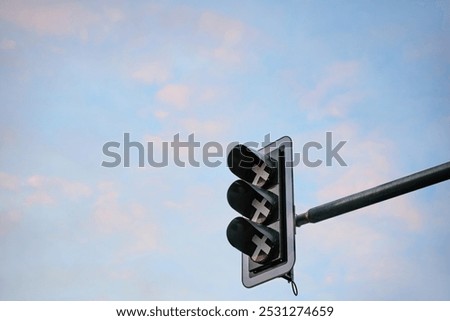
[175, 95]
[7, 44]
[229, 34]
[58, 19]
[45, 186]
[9, 218]
[9, 182]
[370, 158]
[130, 220]
[359, 254]
[161, 114]
[44, 190]
[40, 198]
[151, 73]
[335, 93]
[211, 128]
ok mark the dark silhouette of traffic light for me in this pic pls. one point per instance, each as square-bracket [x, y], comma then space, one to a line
[265, 233]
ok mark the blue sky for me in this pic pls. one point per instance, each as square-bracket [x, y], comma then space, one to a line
[75, 75]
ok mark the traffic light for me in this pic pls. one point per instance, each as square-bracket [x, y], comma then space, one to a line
[265, 233]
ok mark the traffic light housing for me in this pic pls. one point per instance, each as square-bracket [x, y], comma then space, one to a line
[265, 233]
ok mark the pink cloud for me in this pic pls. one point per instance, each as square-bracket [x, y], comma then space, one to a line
[40, 198]
[58, 18]
[358, 251]
[226, 29]
[229, 34]
[176, 95]
[151, 73]
[64, 18]
[131, 220]
[9, 218]
[335, 93]
[50, 190]
[370, 164]
[161, 114]
[7, 44]
[205, 128]
[9, 182]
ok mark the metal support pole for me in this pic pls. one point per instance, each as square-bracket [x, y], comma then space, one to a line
[376, 194]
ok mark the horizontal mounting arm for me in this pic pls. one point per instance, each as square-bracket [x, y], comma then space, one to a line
[376, 194]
